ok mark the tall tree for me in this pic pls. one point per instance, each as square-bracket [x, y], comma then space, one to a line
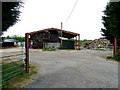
[10, 14]
[111, 21]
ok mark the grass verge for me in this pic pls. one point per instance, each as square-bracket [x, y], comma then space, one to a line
[22, 79]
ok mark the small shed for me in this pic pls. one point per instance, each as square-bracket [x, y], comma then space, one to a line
[9, 43]
[53, 37]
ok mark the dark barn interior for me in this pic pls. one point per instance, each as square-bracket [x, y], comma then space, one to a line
[52, 36]
[8, 44]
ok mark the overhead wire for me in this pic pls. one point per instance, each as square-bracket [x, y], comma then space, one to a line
[72, 11]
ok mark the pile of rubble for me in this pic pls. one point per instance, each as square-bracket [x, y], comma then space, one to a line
[97, 43]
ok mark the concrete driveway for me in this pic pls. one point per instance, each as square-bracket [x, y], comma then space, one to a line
[74, 69]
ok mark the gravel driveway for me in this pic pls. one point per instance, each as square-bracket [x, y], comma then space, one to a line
[74, 69]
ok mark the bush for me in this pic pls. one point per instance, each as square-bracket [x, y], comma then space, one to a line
[109, 57]
[117, 56]
[49, 49]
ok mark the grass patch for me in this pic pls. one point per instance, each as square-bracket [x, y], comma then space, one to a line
[16, 82]
[10, 69]
[101, 50]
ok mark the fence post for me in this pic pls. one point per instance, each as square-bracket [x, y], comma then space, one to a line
[115, 46]
[27, 51]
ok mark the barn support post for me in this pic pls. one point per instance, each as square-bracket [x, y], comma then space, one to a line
[61, 41]
[115, 46]
[79, 42]
[61, 34]
[27, 51]
[76, 43]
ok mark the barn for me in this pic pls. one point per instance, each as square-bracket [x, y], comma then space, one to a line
[53, 37]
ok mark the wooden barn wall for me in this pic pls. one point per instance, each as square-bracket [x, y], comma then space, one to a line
[40, 39]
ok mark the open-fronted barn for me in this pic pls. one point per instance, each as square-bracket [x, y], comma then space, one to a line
[52, 37]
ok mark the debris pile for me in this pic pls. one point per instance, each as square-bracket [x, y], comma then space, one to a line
[97, 43]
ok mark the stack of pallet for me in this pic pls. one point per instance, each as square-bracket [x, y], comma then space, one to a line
[97, 43]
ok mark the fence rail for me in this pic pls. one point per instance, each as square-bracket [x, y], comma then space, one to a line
[12, 65]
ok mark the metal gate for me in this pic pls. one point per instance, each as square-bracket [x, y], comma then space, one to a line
[11, 66]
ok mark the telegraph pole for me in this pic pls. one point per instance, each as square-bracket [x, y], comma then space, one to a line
[61, 33]
[61, 25]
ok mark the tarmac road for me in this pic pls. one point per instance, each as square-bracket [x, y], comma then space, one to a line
[74, 69]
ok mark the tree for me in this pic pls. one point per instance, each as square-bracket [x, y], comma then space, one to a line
[111, 22]
[10, 14]
[16, 37]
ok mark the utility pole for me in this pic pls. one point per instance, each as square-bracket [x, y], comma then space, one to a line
[61, 25]
[61, 33]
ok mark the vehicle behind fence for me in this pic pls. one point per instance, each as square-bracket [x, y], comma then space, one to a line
[11, 66]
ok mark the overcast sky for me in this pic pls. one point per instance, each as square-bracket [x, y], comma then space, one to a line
[41, 14]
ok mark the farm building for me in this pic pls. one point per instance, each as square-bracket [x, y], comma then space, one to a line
[9, 43]
[53, 37]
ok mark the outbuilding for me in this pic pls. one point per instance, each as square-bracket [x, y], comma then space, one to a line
[9, 43]
[53, 37]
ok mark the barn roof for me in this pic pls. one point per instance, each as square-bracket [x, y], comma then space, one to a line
[66, 34]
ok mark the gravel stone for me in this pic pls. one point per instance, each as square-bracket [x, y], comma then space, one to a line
[74, 69]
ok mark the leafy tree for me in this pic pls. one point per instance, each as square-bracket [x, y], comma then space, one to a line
[111, 21]
[10, 14]
[16, 37]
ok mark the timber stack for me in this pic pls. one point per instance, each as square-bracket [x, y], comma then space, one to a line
[97, 43]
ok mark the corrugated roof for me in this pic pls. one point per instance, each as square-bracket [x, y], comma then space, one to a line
[10, 40]
[64, 31]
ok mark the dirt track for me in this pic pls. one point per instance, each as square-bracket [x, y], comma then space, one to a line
[74, 69]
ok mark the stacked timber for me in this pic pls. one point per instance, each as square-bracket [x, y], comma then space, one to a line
[97, 43]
